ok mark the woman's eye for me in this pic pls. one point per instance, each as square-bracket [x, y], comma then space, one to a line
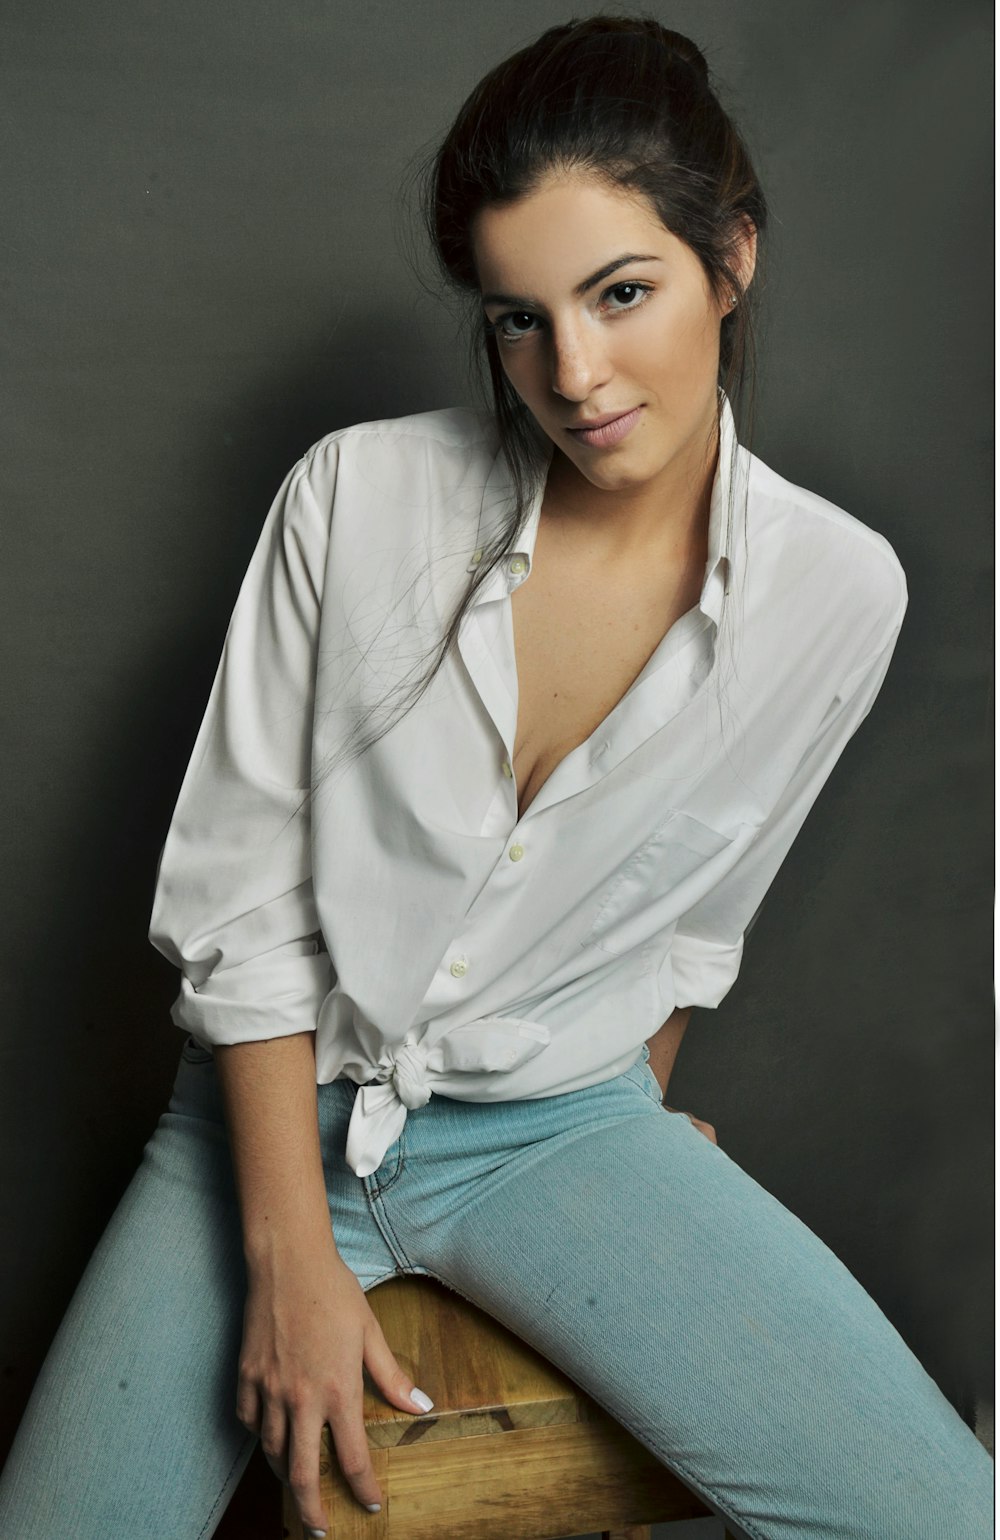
[521, 323]
[631, 294]
[510, 325]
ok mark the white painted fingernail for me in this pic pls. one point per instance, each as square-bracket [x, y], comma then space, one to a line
[316, 1534]
[419, 1399]
[374, 1507]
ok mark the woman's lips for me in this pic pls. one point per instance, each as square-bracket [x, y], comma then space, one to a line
[610, 433]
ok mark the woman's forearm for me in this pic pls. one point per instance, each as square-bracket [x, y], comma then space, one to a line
[269, 1094]
[665, 1042]
[308, 1331]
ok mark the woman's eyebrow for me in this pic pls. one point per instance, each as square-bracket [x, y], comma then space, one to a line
[581, 288]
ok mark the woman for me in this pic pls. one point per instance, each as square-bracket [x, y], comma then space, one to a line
[518, 715]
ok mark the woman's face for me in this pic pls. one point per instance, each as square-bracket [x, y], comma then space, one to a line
[600, 311]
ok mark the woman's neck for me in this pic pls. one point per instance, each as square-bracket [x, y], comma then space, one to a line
[665, 517]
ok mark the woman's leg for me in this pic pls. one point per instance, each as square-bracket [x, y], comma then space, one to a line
[686, 1300]
[130, 1428]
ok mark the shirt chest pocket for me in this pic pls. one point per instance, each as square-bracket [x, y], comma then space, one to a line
[679, 862]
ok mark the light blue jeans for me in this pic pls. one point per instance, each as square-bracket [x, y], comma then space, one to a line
[606, 1231]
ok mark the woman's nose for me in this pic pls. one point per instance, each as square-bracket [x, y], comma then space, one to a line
[579, 363]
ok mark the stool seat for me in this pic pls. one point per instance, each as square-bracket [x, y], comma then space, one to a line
[513, 1450]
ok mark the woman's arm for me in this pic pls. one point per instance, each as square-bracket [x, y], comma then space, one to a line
[269, 1094]
[665, 1042]
[663, 1046]
[307, 1328]
[235, 910]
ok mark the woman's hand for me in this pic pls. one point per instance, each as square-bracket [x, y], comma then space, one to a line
[663, 1047]
[307, 1331]
[699, 1123]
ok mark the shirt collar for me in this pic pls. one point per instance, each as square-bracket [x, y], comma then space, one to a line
[516, 566]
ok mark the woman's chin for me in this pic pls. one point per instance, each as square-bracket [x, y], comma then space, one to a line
[615, 475]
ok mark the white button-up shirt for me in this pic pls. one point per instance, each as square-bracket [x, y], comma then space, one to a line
[396, 903]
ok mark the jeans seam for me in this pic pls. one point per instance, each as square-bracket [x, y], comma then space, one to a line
[654, 1095]
[204, 1530]
[384, 1223]
[638, 1076]
[384, 1278]
[383, 1186]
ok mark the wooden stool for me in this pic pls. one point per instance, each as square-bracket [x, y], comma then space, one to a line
[512, 1450]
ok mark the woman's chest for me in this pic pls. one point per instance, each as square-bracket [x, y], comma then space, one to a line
[581, 639]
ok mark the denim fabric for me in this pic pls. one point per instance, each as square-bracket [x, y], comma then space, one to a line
[601, 1228]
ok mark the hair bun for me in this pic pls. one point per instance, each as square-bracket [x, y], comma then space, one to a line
[688, 52]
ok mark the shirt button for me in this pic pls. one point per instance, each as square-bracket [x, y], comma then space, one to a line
[516, 852]
[459, 967]
[517, 565]
[508, 772]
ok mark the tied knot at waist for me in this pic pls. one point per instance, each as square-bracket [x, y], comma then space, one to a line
[407, 1073]
[409, 1076]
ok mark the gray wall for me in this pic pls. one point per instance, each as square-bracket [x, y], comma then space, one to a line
[203, 274]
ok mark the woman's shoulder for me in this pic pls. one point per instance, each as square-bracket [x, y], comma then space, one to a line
[451, 433]
[391, 482]
[838, 548]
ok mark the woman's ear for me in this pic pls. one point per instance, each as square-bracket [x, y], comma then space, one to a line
[745, 250]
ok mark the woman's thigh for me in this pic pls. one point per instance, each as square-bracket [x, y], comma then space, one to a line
[684, 1298]
[131, 1428]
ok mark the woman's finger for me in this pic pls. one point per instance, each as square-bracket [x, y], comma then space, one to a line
[303, 1469]
[350, 1440]
[397, 1387]
[274, 1438]
[248, 1405]
[699, 1123]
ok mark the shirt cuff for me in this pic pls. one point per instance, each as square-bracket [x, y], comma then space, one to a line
[266, 997]
[703, 971]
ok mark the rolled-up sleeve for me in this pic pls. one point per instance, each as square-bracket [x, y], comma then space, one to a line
[234, 907]
[707, 946]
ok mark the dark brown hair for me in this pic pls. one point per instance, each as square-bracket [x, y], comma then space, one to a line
[630, 101]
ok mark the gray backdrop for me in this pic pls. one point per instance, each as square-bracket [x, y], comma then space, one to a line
[203, 274]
